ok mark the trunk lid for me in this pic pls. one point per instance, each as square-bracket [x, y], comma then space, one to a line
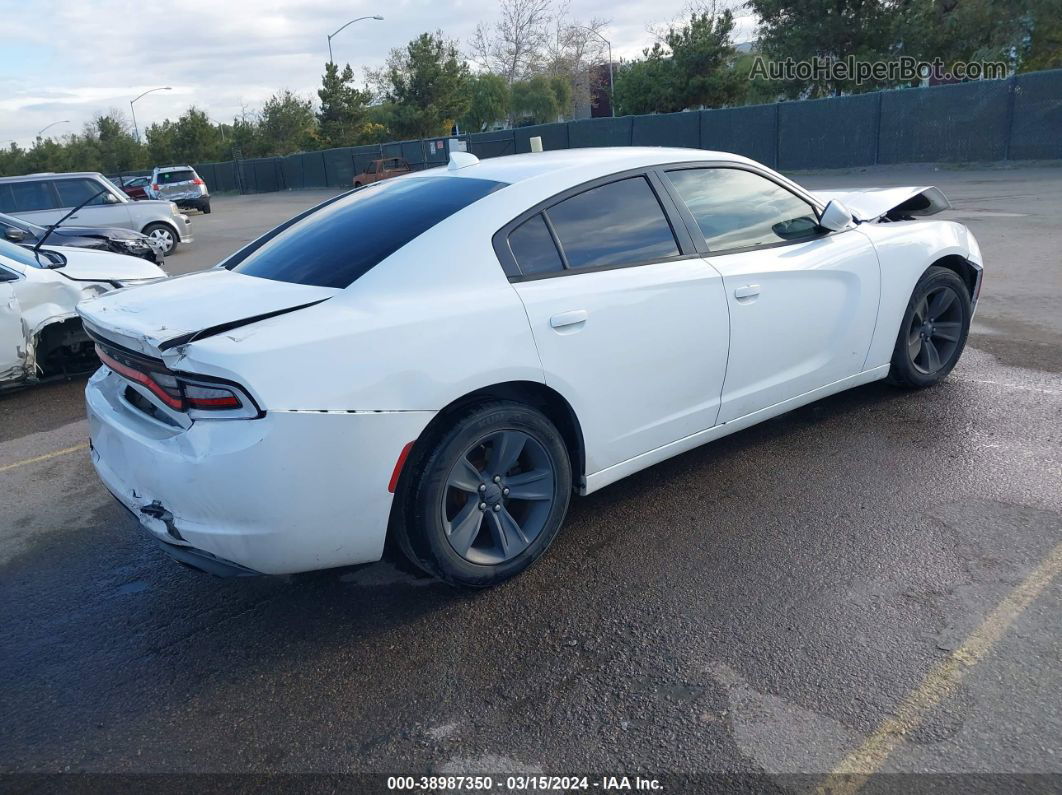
[157, 317]
[870, 204]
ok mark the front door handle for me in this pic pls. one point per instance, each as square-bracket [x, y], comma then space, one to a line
[748, 291]
[566, 319]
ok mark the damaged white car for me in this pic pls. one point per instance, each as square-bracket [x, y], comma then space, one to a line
[443, 358]
[40, 331]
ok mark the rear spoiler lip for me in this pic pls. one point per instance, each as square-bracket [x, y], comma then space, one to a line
[210, 331]
[145, 346]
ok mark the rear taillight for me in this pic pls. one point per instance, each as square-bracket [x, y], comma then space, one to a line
[181, 392]
[154, 187]
[198, 181]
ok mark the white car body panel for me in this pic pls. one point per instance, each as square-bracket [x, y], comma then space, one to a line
[652, 348]
[806, 318]
[41, 297]
[348, 382]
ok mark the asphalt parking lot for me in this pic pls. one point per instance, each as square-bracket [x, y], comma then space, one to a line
[870, 582]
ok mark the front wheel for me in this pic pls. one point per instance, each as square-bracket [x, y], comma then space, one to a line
[164, 235]
[488, 498]
[934, 329]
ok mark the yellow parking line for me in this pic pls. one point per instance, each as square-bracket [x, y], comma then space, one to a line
[45, 457]
[852, 773]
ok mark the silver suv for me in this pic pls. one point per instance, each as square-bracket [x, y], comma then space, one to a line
[180, 185]
[46, 198]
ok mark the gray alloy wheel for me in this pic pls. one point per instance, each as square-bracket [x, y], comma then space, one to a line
[164, 235]
[935, 329]
[498, 497]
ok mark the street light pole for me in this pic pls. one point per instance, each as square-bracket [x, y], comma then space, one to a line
[133, 110]
[611, 79]
[49, 126]
[333, 35]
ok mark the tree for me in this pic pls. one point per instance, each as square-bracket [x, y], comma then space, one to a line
[702, 57]
[826, 29]
[694, 66]
[342, 116]
[429, 85]
[287, 124]
[647, 86]
[541, 99]
[489, 102]
[117, 149]
[196, 139]
[513, 46]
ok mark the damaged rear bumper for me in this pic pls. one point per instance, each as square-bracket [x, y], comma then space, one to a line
[293, 491]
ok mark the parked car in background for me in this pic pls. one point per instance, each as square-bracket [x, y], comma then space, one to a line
[40, 333]
[135, 187]
[180, 185]
[330, 385]
[384, 168]
[106, 238]
[46, 198]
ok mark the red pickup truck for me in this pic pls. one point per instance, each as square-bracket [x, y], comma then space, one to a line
[384, 168]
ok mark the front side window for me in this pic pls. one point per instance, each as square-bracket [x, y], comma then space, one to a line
[621, 223]
[25, 197]
[334, 244]
[74, 191]
[738, 209]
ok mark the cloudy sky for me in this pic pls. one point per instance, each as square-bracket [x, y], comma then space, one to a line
[68, 59]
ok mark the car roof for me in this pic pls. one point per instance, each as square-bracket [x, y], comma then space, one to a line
[517, 168]
[51, 175]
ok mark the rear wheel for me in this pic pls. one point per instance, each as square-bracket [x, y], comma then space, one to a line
[488, 498]
[934, 329]
[164, 235]
[204, 207]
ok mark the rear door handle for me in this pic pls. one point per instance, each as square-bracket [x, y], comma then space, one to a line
[565, 319]
[748, 291]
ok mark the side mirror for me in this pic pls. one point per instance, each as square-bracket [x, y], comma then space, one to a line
[110, 198]
[835, 217]
[14, 235]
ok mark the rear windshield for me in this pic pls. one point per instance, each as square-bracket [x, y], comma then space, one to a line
[334, 244]
[169, 177]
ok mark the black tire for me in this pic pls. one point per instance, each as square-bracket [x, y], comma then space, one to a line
[204, 208]
[933, 331]
[159, 229]
[430, 505]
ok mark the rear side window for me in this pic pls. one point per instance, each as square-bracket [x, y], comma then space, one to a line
[74, 191]
[169, 177]
[738, 209]
[25, 197]
[533, 247]
[621, 223]
[336, 243]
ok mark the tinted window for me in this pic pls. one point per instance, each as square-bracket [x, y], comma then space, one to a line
[533, 247]
[18, 254]
[621, 223]
[169, 177]
[74, 191]
[736, 209]
[338, 242]
[25, 197]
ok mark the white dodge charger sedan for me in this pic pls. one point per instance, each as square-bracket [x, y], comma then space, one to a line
[443, 358]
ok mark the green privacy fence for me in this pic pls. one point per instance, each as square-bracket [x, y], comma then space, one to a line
[1015, 119]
